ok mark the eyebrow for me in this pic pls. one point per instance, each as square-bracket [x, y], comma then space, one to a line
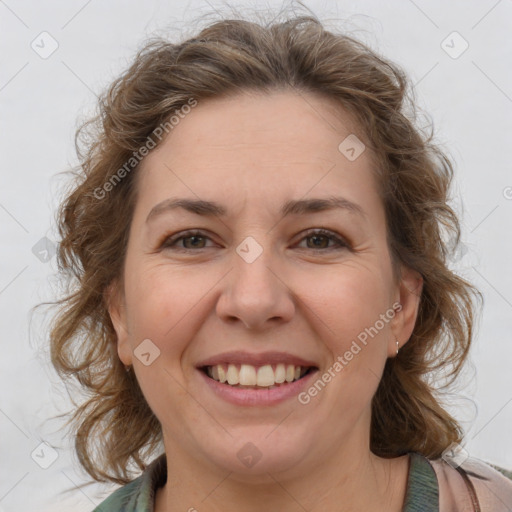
[292, 207]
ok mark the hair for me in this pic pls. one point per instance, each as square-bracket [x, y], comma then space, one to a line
[114, 426]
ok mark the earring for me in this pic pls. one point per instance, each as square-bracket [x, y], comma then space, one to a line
[127, 368]
[397, 346]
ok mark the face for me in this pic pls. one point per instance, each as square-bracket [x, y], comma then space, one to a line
[258, 254]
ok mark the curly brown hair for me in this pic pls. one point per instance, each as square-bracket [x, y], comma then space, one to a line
[114, 426]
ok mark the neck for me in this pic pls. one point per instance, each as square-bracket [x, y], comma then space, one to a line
[342, 482]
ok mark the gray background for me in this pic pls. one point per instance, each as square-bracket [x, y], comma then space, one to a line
[469, 98]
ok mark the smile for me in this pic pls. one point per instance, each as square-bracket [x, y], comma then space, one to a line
[249, 376]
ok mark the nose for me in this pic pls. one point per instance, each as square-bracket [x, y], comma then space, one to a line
[255, 294]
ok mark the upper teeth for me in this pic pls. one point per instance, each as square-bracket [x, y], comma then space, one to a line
[248, 375]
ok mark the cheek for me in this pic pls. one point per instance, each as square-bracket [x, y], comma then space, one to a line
[165, 307]
[345, 306]
[354, 313]
[347, 300]
[165, 304]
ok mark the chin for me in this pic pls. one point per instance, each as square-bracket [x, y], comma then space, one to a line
[252, 453]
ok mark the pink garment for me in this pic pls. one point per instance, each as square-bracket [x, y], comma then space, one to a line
[493, 490]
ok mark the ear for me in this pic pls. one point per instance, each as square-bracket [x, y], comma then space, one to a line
[406, 308]
[114, 299]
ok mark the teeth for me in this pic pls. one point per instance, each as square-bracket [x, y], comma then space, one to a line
[290, 373]
[266, 376]
[233, 375]
[248, 375]
[222, 373]
[263, 376]
[280, 373]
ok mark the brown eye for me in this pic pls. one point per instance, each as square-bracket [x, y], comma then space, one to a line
[193, 242]
[321, 239]
[190, 240]
[318, 241]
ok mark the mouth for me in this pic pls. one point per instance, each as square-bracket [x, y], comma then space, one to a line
[248, 376]
[250, 379]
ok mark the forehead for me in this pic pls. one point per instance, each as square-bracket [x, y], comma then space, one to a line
[258, 144]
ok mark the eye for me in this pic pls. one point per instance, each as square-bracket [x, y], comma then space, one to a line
[316, 239]
[319, 239]
[188, 240]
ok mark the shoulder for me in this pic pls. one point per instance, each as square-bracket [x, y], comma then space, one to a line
[492, 488]
[123, 499]
[138, 495]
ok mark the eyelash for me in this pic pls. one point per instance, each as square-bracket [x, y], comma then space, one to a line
[340, 242]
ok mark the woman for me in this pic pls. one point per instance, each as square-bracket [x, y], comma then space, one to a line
[258, 241]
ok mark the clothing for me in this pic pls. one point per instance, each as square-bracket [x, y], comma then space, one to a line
[433, 486]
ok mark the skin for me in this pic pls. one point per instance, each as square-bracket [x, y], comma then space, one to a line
[251, 153]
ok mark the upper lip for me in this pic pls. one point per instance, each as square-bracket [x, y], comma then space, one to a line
[255, 359]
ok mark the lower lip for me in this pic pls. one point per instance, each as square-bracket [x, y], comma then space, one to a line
[262, 397]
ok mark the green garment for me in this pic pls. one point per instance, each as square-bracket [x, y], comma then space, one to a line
[422, 493]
